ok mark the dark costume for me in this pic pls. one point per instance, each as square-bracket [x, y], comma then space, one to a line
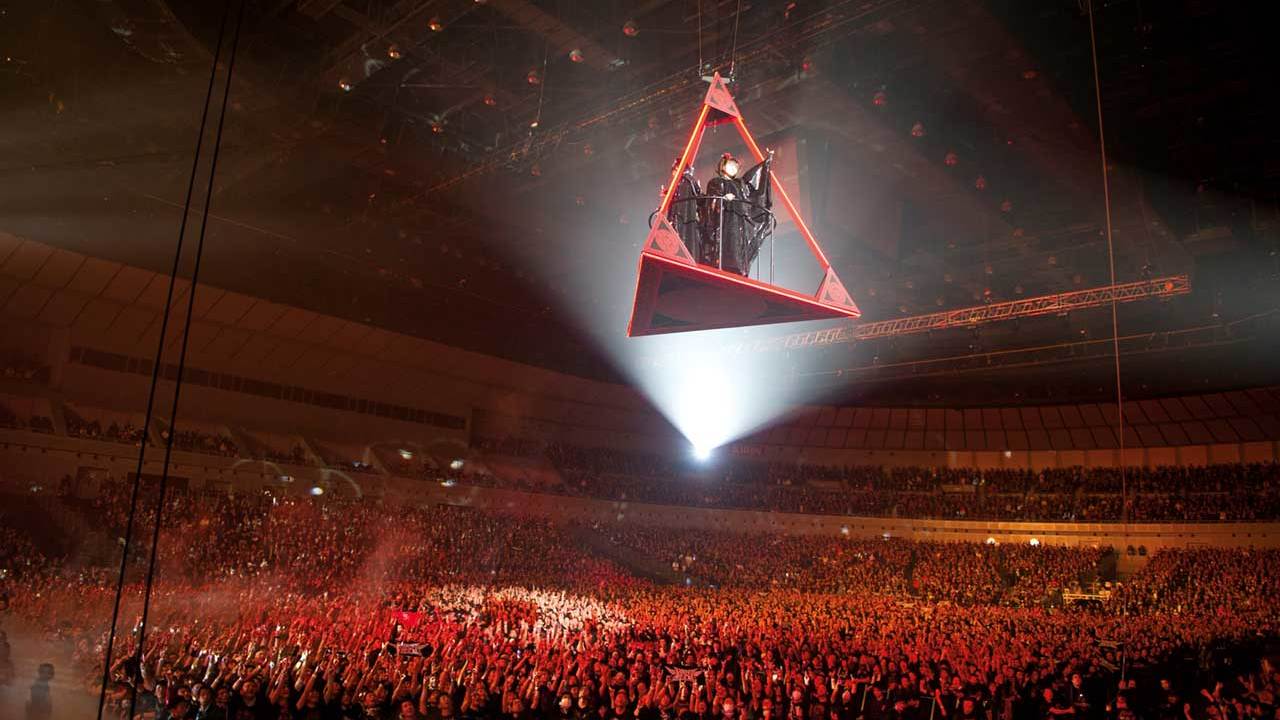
[685, 213]
[737, 218]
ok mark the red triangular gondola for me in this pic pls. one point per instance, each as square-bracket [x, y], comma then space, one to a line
[675, 294]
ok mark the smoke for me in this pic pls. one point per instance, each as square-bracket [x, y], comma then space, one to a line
[710, 396]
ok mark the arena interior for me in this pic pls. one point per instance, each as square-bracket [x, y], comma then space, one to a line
[372, 360]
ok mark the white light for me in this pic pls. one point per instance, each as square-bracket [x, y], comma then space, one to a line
[406, 454]
[844, 529]
[1035, 542]
[456, 464]
[1008, 453]
[317, 490]
[991, 541]
[705, 409]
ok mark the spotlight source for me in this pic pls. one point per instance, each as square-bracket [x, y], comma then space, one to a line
[317, 490]
[456, 464]
[701, 453]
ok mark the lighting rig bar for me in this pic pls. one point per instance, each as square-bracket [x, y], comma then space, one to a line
[1057, 303]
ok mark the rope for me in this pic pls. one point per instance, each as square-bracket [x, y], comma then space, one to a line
[733, 51]
[1111, 262]
[700, 64]
[155, 369]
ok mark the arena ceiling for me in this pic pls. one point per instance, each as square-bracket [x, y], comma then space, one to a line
[379, 165]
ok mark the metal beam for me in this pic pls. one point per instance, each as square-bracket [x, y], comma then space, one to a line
[1057, 303]
[559, 35]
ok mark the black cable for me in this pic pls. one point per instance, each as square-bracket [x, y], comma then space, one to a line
[155, 365]
[1111, 264]
[182, 351]
[733, 52]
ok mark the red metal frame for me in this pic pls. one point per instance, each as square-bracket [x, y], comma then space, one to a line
[830, 300]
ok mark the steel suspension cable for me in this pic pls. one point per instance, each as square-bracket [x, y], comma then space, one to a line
[182, 352]
[1111, 264]
[155, 365]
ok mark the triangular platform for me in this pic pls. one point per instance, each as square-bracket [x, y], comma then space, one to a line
[676, 294]
[673, 296]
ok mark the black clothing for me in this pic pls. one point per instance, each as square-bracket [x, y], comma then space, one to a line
[737, 218]
[685, 215]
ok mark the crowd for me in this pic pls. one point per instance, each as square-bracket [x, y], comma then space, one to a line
[92, 429]
[267, 606]
[18, 365]
[35, 423]
[202, 442]
[1217, 493]
[775, 562]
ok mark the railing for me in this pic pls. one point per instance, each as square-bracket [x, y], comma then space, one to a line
[759, 219]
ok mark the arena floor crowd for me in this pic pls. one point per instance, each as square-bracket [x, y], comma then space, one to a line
[284, 607]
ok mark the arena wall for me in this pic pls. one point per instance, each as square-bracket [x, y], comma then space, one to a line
[73, 311]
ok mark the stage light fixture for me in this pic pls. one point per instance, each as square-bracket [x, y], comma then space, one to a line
[575, 55]
[457, 464]
[435, 24]
[951, 159]
[880, 98]
[1035, 542]
[701, 454]
[917, 130]
[393, 52]
[630, 28]
[490, 100]
[533, 77]
[980, 182]
[406, 454]
[317, 490]
[344, 86]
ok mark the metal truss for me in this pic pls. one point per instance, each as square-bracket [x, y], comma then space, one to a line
[1054, 304]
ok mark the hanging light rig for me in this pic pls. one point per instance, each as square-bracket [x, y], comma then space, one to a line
[677, 293]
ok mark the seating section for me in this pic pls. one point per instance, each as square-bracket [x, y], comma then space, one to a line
[1231, 417]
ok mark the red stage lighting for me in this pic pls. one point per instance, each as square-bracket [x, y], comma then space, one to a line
[917, 130]
[676, 294]
[576, 55]
[630, 28]
[951, 159]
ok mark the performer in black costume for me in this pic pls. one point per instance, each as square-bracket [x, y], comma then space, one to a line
[685, 211]
[737, 216]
